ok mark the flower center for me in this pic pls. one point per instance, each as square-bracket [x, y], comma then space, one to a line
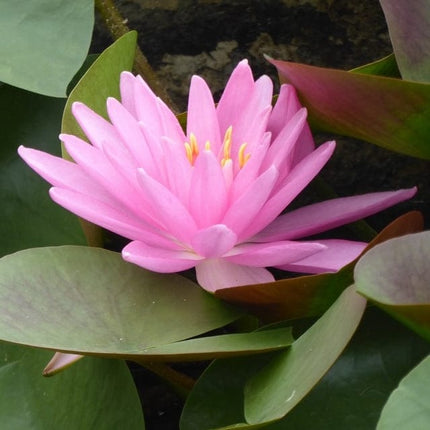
[192, 149]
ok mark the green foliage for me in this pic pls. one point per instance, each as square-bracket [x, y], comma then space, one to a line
[94, 394]
[44, 42]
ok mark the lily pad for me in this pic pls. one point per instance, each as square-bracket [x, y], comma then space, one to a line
[94, 394]
[90, 301]
[28, 217]
[282, 383]
[44, 43]
[408, 408]
[396, 275]
[409, 27]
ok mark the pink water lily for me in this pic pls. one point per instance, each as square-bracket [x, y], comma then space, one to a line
[210, 198]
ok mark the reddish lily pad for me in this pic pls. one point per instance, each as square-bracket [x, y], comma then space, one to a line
[388, 112]
[409, 27]
[396, 275]
[309, 295]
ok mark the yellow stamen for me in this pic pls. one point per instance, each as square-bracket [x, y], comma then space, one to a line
[243, 158]
[227, 145]
[207, 146]
[191, 148]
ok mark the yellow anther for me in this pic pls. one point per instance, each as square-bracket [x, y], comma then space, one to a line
[243, 158]
[227, 142]
[207, 146]
[191, 148]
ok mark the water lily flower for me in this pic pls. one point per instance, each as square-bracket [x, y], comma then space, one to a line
[210, 197]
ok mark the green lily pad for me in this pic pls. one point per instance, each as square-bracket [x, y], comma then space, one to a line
[90, 301]
[388, 112]
[408, 407]
[307, 296]
[28, 217]
[94, 394]
[44, 43]
[282, 383]
[409, 27]
[235, 344]
[396, 275]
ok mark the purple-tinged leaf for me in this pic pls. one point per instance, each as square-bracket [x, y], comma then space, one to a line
[396, 275]
[409, 27]
[388, 112]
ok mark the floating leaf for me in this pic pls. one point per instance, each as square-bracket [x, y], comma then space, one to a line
[94, 394]
[90, 301]
[408, 407]
[396, 275]
[28, 217]
[281, 384]
[44, 43]
[409, 27]
[353, 392]
[309, 295]
[211, 347]
[388, 112]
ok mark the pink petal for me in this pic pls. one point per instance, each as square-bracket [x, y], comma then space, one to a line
[272, 254]
[96, 128]
[285, 108]
[158, 259]
[236, 94]
[126, 86]
[170, 124]
[108, 216]
[208, 193]
[214, 274]
[244, 209]
[214, 241]
[130, 132]
[281, 151]
[337, 254]
[61, 173]
[298, 178]
[202, 120]
[164, 205]
[333, 213]
[146, 107]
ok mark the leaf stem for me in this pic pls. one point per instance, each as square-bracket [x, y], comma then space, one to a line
[182, 383]
[117, 27]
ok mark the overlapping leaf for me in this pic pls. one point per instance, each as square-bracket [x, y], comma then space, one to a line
[389, 112]
[408, 408]
[396, 275]
[94, 394]
[309, 295]
[44, 42]
[409, 27]
[89, 300]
